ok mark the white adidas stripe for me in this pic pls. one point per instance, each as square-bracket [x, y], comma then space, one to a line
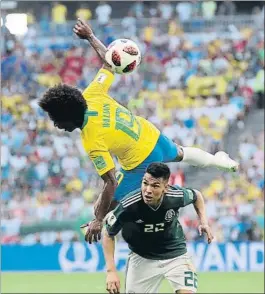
[174, 190]
[132, 201]
[180, 193]
[177, 196]
[123, 201]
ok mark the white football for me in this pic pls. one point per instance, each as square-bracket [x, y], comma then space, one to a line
[123, 55]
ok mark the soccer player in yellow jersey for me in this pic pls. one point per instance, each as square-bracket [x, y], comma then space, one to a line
[108, 129]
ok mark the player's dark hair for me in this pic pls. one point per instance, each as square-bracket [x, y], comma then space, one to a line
[158, 170]
[64, 103]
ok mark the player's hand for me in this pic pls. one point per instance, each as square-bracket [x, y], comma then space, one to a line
[113, 282]
[82, 30]
[207, 230]
[93, 232]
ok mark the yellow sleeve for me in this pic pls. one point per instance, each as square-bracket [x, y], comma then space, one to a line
[102, 161]
[101, 82]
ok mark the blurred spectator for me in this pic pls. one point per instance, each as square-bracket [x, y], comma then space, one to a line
[209, 9]
[184, 11]
[45, 20]
[227, 7]
[129, 25]
[59, 15]
[84, 12]
[165, 10]
[254, 232]
[195, 89]
[138, 9]
[103, 13]
[259, 87]
[30, 17]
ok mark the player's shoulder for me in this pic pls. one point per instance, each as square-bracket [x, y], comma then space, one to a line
[132, 198]
[174, 192]
[174, 196]
[180, 193]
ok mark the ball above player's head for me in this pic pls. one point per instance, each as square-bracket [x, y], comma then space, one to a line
[123, 55]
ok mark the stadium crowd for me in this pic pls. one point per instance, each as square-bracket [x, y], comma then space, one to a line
[194, 91]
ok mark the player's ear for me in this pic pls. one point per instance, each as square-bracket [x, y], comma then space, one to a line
[166, 187]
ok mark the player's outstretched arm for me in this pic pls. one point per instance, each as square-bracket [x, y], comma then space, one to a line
[104, 201]
[201, 212]
[112, 279]
[102, 207]
[84, 31]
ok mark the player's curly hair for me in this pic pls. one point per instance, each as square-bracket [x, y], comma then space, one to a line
[158, 170]
[64, 103]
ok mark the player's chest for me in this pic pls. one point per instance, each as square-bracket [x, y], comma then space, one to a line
[151, 221]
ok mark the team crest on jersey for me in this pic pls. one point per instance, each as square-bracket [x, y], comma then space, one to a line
[169, 215]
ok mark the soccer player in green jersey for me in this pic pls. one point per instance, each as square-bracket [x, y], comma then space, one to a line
[148, 218]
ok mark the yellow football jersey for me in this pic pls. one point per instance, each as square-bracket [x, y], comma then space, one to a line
[111, 129]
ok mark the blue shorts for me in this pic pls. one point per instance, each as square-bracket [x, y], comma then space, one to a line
[128, 180]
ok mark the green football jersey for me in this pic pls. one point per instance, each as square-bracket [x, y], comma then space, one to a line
[152, 233]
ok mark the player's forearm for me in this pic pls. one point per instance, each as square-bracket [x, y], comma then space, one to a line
[199, 206]
[98, 46]
[105, 199]
[109, 249]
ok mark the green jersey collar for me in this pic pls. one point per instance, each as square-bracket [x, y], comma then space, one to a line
[87, 115]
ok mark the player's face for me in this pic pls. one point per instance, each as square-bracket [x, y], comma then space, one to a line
[153, 189]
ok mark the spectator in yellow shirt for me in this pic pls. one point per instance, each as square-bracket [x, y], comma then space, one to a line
[30, 17]
[204, 122]
[59, 13]
[84, 12]
[149, 33]
[74, 184]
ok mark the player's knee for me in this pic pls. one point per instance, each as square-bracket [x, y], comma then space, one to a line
[180, 153]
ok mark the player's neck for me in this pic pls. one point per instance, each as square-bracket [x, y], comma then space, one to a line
[158, 203]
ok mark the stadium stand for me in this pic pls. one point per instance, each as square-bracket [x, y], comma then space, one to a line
[199, 81]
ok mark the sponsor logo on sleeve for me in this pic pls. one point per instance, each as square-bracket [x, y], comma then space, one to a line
[101, 78]
[99, 162]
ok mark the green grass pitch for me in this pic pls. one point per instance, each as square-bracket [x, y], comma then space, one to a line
[95, 283]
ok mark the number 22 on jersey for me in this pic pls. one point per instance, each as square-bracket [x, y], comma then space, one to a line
[151, 228]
